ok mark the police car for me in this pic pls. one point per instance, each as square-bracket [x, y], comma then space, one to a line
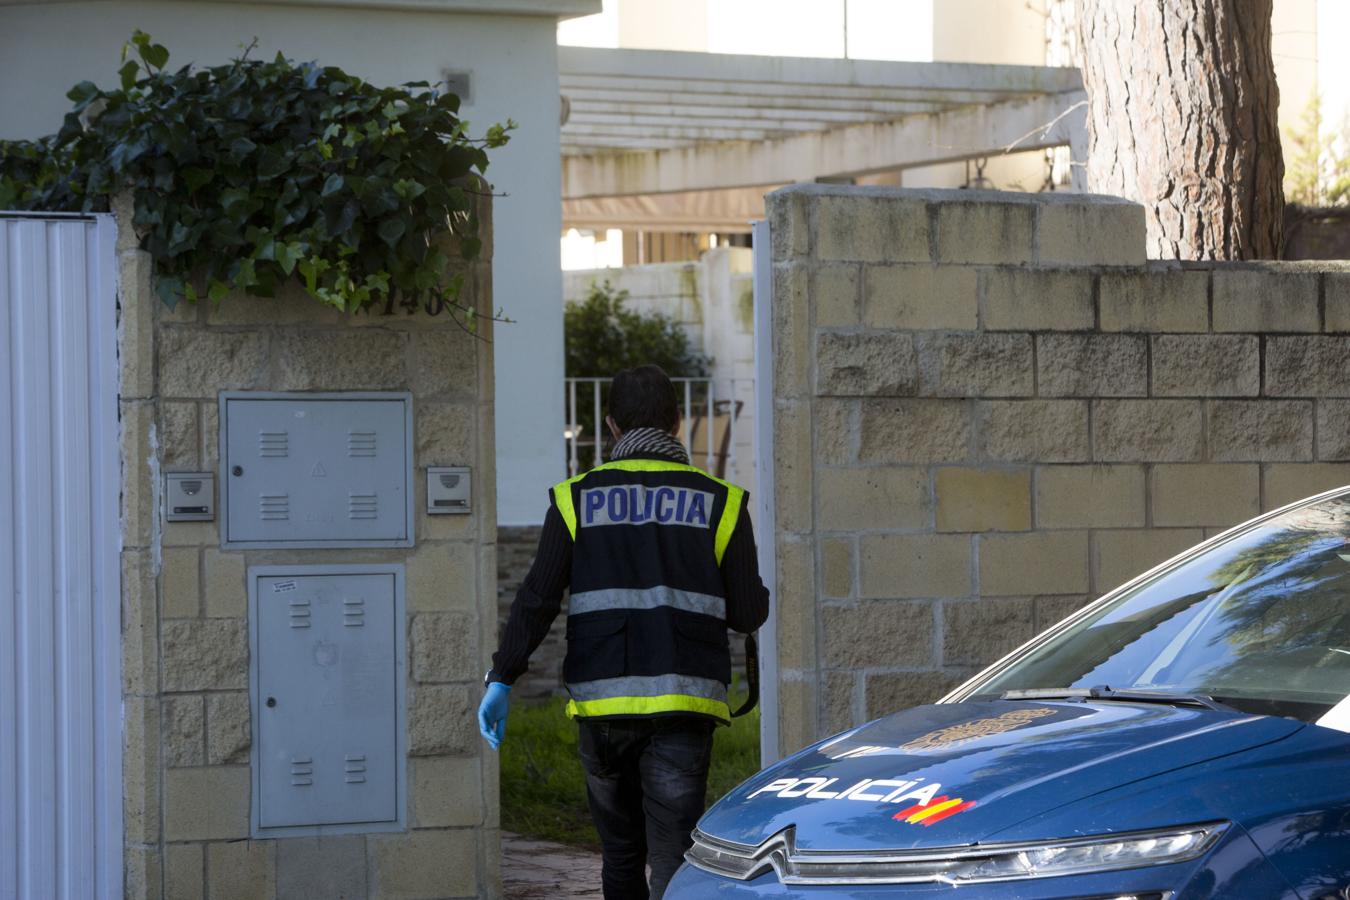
[1185, 736]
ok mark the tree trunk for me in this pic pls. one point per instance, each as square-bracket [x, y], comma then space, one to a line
[1182, 107]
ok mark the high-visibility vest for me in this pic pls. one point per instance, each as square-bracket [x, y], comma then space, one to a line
[646, 622]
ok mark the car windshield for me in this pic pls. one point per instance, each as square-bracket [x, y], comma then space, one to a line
[1260, 622]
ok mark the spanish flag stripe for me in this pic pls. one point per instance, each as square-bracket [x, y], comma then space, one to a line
[918, 807]
[933, 810]
[951, 811]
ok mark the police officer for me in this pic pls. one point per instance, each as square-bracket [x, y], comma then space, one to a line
[660, 561]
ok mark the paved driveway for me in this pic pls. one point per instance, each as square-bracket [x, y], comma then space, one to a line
[538, 870]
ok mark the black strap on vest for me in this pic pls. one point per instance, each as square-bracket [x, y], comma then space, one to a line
[751, 676]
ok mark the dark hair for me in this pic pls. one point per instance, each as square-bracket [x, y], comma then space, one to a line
[643, 397]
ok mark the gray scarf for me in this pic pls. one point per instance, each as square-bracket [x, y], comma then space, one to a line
[650, 442]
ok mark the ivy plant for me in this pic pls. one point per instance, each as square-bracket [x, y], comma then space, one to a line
[252, 173]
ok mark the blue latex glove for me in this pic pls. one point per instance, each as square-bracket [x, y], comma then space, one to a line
[492, 713]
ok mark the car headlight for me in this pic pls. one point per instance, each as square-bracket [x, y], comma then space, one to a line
[954, 865]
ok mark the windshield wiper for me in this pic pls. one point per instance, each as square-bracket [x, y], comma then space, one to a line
[1103, 692]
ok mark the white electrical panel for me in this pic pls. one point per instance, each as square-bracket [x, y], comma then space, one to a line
[316, 470]
[327, 695]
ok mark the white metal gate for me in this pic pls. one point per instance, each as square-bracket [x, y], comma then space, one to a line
[60, 681]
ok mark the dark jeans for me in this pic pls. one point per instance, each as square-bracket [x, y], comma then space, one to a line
[645, 780]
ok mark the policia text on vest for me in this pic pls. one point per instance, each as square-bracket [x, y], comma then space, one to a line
[660, 561]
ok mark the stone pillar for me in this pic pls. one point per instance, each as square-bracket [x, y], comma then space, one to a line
[185, 634]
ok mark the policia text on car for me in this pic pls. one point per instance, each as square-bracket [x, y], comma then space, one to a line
[660, 561]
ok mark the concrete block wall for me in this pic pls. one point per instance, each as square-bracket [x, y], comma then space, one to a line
[185, 603]
[990, 409]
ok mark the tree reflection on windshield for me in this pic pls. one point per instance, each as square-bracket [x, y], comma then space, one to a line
[1261, 621]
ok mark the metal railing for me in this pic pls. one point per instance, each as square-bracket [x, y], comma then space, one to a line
[700, 410]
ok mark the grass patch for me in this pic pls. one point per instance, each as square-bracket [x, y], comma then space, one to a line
[543, 789]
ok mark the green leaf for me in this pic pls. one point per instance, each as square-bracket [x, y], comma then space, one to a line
[218, 291]
[128, 74]
[156, 56]
[391, 230]
[169, 289]
[288, 254]
[83, 92]
[331, 185]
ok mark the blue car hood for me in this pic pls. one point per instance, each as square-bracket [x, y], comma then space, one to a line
[953, 774]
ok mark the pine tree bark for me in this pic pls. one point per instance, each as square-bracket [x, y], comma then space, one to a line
[1182, 106]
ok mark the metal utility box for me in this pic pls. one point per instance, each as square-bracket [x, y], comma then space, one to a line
[449, 490]
[316, 470]
[327, 697]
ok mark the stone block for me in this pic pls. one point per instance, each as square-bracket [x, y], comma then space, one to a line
[136, 326]
[1261, 430]
[1034, 430]
[978, 632]
[797, 603]
[914, 431]
[1220, 494]
[1045, 562]
[140, 467]
[190, 534]
[140, 770]
[1308, 366]
[921, 298]
[1172, 300]
[878, 633]
[226, 590]
[871, 229]
[918, 565]
[1049, 611]
[892, 692]
[1206, 365]
[444, 647]
[441, 577]
[178, 435]
[1094, 496]
[1091, 365]
[1118, 556]
[837, 566]
[835, 295]
[1265, 300]
[444, 364]
[204, 654]
[986, 232]
[866, 365]
[1106, 233]
[181, 583]
[445, 791]
[1147, 430]
[140, 624]
[1285, 483]
[241, 870]
[442, 719]
[445, 434]
[835, 433]
[1037, 300]
[976, 365]
[791, 320]
[322, 868]
[1333, 430]
[196, 363]
[789, 224]
[229, 729]
[1337, 300]
[184, 727]
[797, 711]
[874, 497]
[184, 871]
[793, 465]
[983, 499]
[142, 877]
[841, 691]
[365, 359]
[206, 804]
[422, 864]
[210, 453]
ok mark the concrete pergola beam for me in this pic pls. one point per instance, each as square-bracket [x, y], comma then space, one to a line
[968, 132]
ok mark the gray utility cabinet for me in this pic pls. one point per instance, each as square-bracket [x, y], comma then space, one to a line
[327, 694]
[316, 470]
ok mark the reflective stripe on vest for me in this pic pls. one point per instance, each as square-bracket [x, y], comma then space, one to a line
[646, 598]
[726, 526]
[644, 695]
